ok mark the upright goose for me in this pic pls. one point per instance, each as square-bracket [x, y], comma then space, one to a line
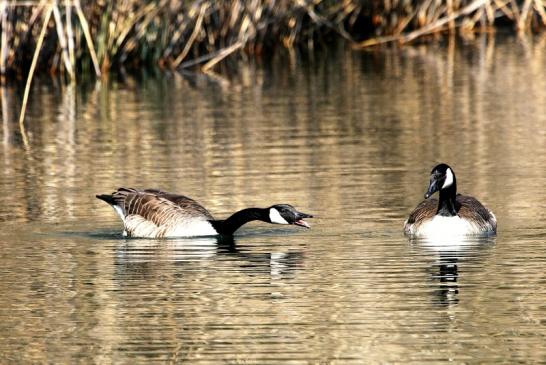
[453, 214]
[153, 214]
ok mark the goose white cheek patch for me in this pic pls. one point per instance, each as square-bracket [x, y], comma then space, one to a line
[275, 217]
[449, 179]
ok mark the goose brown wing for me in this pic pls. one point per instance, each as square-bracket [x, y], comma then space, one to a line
[158, 207]
[425, 210]
[187, 204]
[470, 208]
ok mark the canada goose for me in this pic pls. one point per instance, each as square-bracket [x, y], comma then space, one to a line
[153, 213]
[453, 214]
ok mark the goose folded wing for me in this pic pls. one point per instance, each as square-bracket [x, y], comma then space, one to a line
[157, 207]
[424, 211]
[472, 210]
[150, 207]
[185, 203]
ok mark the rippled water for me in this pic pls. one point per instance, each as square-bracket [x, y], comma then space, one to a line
[350, 137]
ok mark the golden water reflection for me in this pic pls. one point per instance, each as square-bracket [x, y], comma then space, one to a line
[349, 137]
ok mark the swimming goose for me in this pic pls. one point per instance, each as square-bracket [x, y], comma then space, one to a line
[153, 214]
[453, 214]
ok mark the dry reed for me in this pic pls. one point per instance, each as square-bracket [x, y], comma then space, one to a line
[102, 35]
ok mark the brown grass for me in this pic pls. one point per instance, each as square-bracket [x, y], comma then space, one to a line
[97, 36]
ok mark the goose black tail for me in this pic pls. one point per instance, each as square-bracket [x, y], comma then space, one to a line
[107, 198]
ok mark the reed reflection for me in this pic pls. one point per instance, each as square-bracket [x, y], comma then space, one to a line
[357, 111]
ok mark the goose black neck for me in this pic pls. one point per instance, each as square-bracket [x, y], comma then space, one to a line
[447, 205]
[233, 223]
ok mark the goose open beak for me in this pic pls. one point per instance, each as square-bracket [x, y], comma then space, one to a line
[300, 222]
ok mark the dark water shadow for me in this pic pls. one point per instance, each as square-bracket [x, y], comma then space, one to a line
[143, 257]
[115, 234]
[449, 255]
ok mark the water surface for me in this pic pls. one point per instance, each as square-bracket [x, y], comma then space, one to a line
[350, 137]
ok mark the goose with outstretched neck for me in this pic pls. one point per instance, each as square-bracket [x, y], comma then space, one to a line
[154, 213]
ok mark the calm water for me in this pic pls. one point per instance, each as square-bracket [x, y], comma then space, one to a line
[347, 136]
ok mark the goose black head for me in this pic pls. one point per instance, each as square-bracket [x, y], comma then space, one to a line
[441, 177]
[287, 214]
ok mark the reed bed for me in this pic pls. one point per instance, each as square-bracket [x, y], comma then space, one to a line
[72, 36]
[102, 35]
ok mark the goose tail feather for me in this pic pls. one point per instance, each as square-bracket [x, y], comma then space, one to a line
[107, 198]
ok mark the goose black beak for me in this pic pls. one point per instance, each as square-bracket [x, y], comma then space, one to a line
[432, 188]
[299, 220]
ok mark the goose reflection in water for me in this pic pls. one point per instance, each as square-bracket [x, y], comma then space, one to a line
[450, 254]
[446, 273]
[141, 257]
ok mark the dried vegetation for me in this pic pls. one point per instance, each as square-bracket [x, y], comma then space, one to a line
[69, 36]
